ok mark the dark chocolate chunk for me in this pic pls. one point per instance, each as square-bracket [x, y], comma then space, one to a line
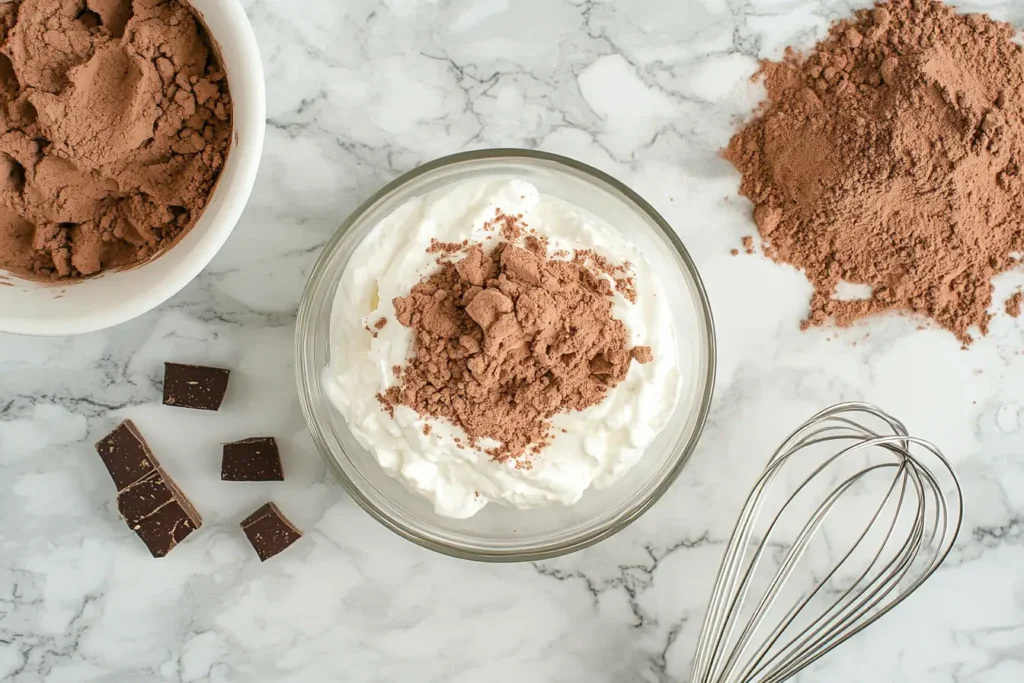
[139, 500]
[255, 459]
[168, 526]
[269, 531]
[149, 501]
[194, 386]
[126, 455]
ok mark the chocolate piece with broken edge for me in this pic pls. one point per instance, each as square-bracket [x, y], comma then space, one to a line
[255, 459]
[142, 498]
[168, 526]
[194, 386]
[126, 455]
[148, 499]
[269, 532]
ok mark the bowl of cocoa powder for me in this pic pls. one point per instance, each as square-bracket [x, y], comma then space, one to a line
[131, 137]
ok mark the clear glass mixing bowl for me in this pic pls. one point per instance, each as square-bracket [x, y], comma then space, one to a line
[497, 533]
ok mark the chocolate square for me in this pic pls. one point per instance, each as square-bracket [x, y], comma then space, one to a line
[144, 497]
[167, 527]
[149, 501]
[255, 459]
[126, 455]
[194, 386]
[269, 532]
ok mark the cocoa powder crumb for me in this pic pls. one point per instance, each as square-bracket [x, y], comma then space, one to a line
[643, 354]
[626, 286]
[748, 244]
[505, 340]
[377, 327]
[538, 245]
[511, 228]
[619, 273]
[438, 247]
[890, 156]
[1013, 304]
[387, 405]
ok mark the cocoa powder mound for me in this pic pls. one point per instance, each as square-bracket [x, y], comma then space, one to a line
[507, 339]
[115, 121]
[890, 156]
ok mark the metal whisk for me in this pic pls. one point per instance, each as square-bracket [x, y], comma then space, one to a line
[765, 626]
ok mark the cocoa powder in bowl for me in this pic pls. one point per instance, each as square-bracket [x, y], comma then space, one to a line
[891, 155]
[115, 121]
[506, 339]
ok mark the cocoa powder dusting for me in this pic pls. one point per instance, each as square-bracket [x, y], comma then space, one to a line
[115, 120]
[1013, 304]
[506, 339]
[619, 273]
[449, 248]
[890, 156]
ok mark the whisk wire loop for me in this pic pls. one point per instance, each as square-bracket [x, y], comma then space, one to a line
[912, 521]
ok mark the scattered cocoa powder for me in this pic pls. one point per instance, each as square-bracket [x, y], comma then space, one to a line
[890, 155]
[620, 273]
[1013, 304]
[748, 244]
[507, 339]
[538, 245]
[377, 327]
[115, 120]
[509, 227]
[438, 247]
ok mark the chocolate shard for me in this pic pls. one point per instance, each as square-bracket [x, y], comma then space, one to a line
[126, 455]
[163, 530]
[255, 459]
[141, 499]
[269, 532]
[194, 386]
[148, 500]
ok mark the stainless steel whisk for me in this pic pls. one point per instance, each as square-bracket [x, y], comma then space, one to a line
[913, 509]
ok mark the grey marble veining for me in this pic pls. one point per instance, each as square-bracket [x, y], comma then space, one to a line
[360, 91]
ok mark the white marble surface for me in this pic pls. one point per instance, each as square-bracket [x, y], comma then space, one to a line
[362, 90]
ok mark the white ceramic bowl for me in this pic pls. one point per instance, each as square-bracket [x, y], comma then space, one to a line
[114, 297]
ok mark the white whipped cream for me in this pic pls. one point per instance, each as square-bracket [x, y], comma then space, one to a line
[598, 444]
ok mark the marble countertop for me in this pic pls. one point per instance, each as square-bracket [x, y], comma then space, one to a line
[359, 92]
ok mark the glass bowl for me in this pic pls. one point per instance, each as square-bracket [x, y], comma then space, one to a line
[497, 533]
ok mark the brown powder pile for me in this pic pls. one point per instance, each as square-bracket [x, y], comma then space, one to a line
[114, 126]
[505, 340]
[891, 156]
[1013, 304]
